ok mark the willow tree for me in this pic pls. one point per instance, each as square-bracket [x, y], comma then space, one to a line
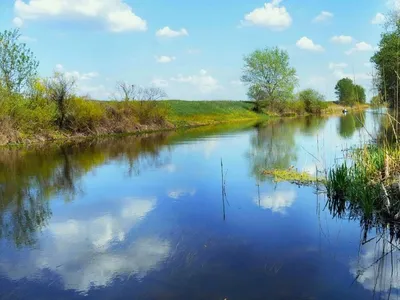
[270, 77]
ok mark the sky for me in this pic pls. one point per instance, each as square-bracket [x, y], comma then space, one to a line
[194, 49]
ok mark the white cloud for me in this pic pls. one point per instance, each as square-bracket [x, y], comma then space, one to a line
[341, 39]
[360, 47]
[27, 39]
[323, 16]
[277, 202]
[378, 19]
[163, 59]
[93, 250]
[334, 66]
[271, 15]
[307, 44]
[169, 33]
[368, 64]
[159, 82]
[18, 22]
[116, 15]
[203, 81]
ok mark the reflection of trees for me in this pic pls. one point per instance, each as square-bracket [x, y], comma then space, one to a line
[349, 123]
[274, 147]
[377, 267]
[28, 179]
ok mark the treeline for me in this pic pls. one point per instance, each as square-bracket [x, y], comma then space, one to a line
[272, 81]
[50, 106]
[387, 63]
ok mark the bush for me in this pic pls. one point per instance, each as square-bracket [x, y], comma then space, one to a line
[314, 102]
[83, 115]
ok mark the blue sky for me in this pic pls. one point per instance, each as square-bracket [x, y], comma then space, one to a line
[194, 49]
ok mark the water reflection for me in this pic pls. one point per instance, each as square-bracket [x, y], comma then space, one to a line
[376, 267]
[78, 250]
[277, 201]
[29, 179]
[274, 146]
[349, 123]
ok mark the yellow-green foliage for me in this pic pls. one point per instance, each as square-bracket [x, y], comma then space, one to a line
[84, 115]
[291, 175]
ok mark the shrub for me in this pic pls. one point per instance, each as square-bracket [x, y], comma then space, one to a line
[83, 115]
[314, 102]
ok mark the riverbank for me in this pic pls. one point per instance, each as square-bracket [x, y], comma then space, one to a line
[171, 115]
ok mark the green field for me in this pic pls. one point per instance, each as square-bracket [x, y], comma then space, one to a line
[209, 112]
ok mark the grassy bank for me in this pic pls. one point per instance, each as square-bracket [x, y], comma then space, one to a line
[24, 123]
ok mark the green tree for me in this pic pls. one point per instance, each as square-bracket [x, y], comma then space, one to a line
[269, 76]
[17, 63]
[314, 102]
[345, 91]
[387, 63]
[360, 94]
[377, 101]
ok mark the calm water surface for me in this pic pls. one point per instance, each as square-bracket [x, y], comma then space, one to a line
[143, 218]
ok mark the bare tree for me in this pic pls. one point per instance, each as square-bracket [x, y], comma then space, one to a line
[60, 89]
[132, 92]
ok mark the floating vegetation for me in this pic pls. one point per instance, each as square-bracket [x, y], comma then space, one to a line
[293, 176]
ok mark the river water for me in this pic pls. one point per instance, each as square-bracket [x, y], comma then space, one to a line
[145, 217]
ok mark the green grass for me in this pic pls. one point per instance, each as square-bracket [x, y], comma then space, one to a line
[210, 112]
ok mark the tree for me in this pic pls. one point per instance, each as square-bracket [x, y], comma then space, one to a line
[376, 101]
[132, 92]
[345, 91]
[313, 101]
[360, 94]
[60, 89]
[269, 76]
[17, 63]
[387, 62]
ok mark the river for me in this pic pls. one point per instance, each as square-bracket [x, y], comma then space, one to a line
[145, 217]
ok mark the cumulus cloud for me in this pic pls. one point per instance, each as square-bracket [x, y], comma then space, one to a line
[164, 59]
[116, 15]
[18, 22]
[271, 15]
[360, 47]
[323, 16]
[378, 19]
[277, 202]
[307, 44]
[203, 81]
[341, 39]
[169, 33]
[92, 251]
